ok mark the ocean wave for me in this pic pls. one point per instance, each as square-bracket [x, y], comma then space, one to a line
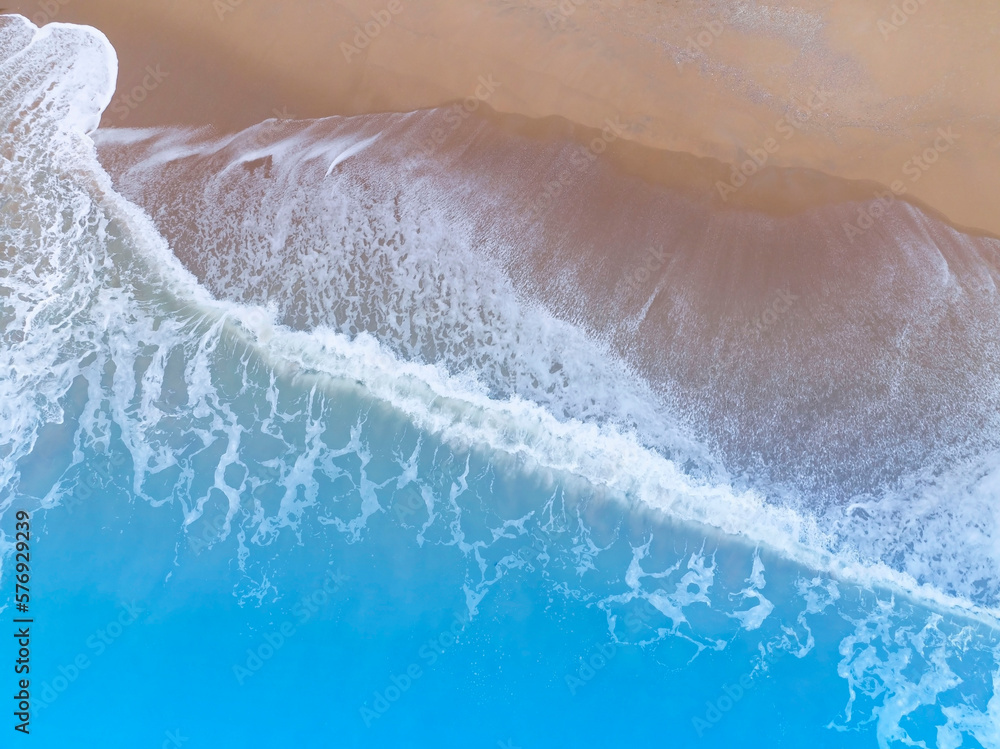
[390, 244]
[108, 334]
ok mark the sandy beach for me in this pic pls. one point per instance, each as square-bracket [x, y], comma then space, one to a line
[501, 373]
[884, 94]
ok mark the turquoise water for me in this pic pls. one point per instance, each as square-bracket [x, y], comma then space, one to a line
[249, 534]
[525, 611]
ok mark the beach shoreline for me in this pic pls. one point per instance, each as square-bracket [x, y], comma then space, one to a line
[867, 105]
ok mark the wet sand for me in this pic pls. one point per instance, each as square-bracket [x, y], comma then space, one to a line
[802, 356]
[903, 94]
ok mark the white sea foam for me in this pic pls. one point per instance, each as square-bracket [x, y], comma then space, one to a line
[93, 294]
[129, 312]
[319, 250]
[913, 660]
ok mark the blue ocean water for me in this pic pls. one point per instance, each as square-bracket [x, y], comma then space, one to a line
[255, 531]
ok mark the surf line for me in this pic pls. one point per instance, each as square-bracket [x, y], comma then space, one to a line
[458, 112]
[914, 168]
